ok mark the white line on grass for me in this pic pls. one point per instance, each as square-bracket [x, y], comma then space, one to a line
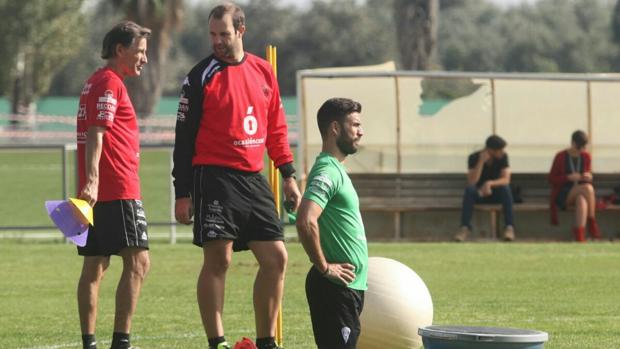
[78, 344]
[55, 346]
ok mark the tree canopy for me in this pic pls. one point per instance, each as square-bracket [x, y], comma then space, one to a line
[472, 35]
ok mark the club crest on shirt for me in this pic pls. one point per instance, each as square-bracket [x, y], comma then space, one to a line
[346, 332]
[266, 91]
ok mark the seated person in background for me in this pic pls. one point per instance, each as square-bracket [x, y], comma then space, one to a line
[488, 181]
[571, 186]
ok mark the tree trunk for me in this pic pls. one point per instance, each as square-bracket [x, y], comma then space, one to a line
[22, 94]
[162, 18]
[416, 25]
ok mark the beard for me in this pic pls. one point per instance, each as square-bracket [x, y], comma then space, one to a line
[346, 145]
[223, 51]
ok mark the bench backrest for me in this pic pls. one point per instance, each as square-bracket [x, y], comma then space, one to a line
[533, 187]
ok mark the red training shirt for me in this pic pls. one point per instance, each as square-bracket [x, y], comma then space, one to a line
[228, 114]
[104, 102]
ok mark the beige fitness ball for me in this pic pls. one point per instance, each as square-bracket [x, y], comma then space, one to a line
[396, 304]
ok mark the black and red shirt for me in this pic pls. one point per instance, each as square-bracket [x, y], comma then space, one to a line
[104, 102]
[228, 114]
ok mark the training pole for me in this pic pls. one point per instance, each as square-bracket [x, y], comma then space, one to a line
[274, 181]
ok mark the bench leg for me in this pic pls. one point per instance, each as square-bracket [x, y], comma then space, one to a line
[493, 222]
[397, 226]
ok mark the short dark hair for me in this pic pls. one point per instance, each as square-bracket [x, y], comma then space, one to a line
[495, 142]
[123, 33]
[238, 17]
[335, 109]
[580, 138]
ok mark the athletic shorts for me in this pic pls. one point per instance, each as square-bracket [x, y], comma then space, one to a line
[233, 205]
[117, 224]
[335, 312]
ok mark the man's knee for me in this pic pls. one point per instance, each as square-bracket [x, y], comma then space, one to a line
[136, 261]
[217, 257]
[504, 191]
[471, 191]
[94, 268]
[271, 255]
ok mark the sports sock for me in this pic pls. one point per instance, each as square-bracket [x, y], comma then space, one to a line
[213, 342]
[266, 343]
[120, 341]
[89, 341]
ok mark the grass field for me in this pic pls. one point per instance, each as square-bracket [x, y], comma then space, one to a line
[571, 291]
[29, 177]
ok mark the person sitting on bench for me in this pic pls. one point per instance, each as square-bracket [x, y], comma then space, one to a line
[571, 186]
[488, 182]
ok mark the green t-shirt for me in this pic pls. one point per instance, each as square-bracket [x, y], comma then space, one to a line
[343, 239]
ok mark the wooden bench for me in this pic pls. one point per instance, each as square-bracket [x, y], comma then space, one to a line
[399, 193]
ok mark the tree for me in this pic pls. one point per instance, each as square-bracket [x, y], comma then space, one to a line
[163, 18]
[37, 37]
[470, 37]
[335, 34]
[615, 22]
[416, 30]
[546, 36]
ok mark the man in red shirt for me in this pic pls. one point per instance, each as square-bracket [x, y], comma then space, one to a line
[108, 160]
[229, 112]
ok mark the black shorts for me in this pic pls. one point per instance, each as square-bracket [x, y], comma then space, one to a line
[335, 312]
[233, 205]
[117, 224]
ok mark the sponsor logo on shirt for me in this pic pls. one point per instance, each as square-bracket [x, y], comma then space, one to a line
[106, 106]
[108, 97]
[105, 115]
[81, 137]
[249, 142]
[86, 89]
[183, 108]
[82, 112]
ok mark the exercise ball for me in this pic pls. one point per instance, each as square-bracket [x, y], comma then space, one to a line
[396, 304]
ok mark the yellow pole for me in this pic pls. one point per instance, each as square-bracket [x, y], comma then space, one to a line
[274, 180]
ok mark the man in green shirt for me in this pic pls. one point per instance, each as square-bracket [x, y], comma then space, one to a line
[331, 231]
